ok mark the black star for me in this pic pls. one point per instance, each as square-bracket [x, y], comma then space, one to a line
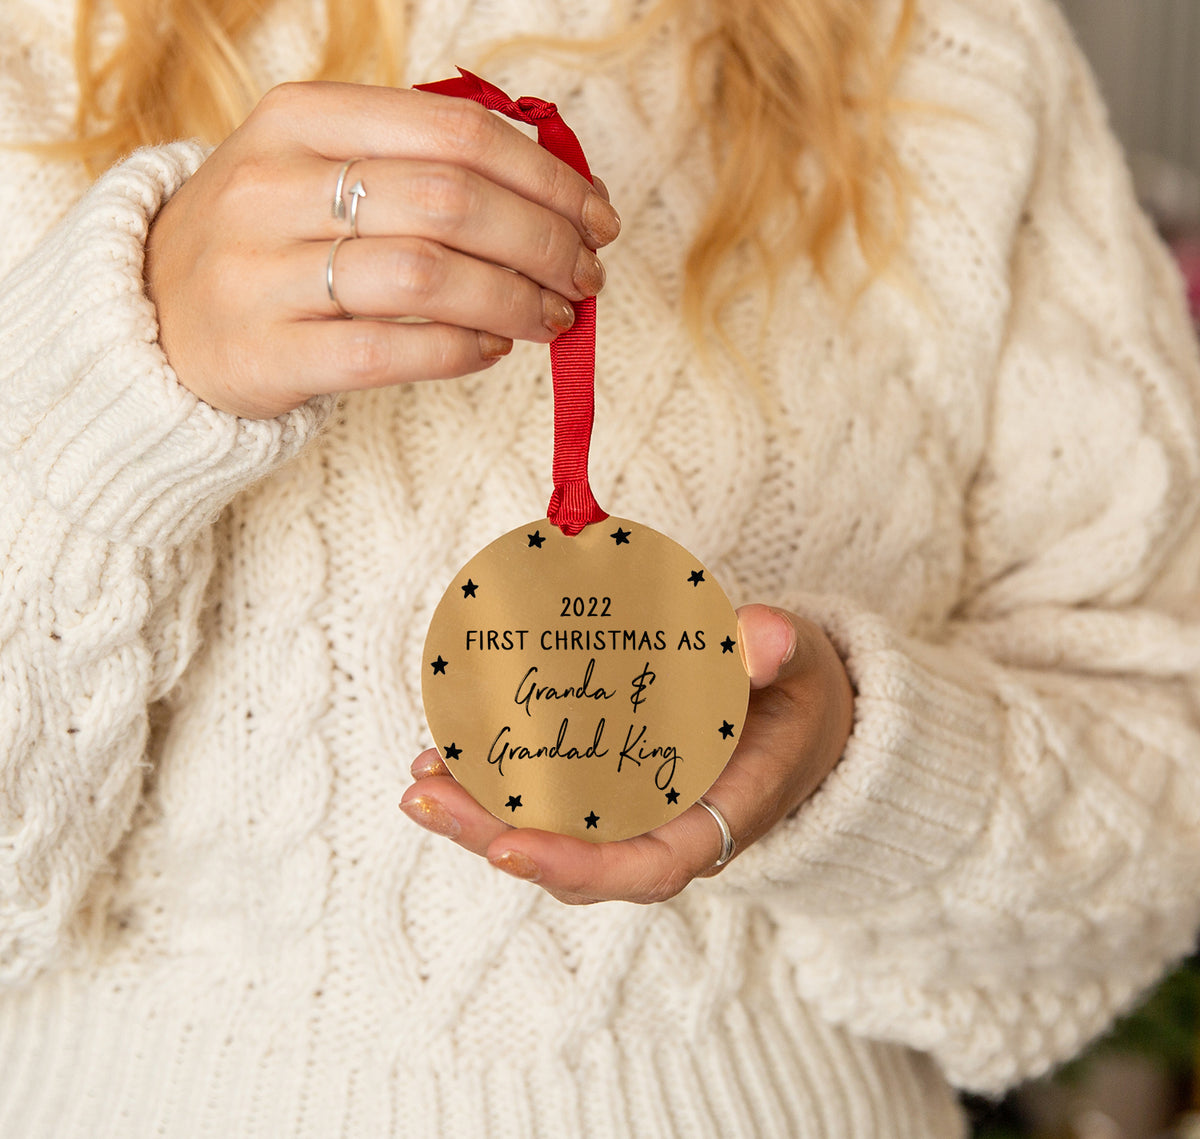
[592, 819]
[439, 666]
[535, 539]
[453, 751]
[514, 801]
[672, 796]
[696, 577]
[621, 537]
[726, 729]
[727, 645]
[469, 588]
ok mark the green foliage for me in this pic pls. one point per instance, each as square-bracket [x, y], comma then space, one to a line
[1164, 1028]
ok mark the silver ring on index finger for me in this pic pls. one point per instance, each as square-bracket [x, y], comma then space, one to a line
[357, 192]
[339, 198]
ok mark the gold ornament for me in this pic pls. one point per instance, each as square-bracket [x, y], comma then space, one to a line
[589, 685]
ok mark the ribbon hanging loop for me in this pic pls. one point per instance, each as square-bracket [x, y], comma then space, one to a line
[573, 353]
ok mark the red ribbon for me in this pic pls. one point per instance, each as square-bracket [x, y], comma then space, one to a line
[573, 353]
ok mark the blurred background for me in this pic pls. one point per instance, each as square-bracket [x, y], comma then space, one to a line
[1142, 1081]
[1146, 54]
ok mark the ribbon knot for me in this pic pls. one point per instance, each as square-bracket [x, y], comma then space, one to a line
[573, 354]
[573, 506]
[536, 108]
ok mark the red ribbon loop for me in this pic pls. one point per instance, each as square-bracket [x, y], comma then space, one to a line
[572, 354]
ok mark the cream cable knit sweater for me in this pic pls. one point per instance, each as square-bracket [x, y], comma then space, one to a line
[985, 483]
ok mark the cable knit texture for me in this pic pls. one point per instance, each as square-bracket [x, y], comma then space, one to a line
[983, 481]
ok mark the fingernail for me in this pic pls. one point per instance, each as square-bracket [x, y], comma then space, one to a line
[600, 221]
[557, 314]
[589, 273]
[428, 763]
[517, 864]
[431, 815]
[492, 347]
[765, 654]
[789, 631]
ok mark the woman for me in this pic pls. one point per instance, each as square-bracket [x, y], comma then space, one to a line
[947, 431]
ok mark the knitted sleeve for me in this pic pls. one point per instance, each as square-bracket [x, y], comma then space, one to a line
[1008, 852]
[110, 476]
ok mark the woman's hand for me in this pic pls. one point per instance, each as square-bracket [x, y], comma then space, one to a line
[801, 712]
[466, 223]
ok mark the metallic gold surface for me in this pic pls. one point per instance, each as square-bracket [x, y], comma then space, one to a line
[590, 685]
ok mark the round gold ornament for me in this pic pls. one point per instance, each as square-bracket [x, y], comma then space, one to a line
[589, 685]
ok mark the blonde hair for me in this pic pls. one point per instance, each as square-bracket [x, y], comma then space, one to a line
[178, 71]
[795, 99]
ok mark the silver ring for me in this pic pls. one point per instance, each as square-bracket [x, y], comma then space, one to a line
[329, 276]
[358, 190]
[339, 202]
[728, 846]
